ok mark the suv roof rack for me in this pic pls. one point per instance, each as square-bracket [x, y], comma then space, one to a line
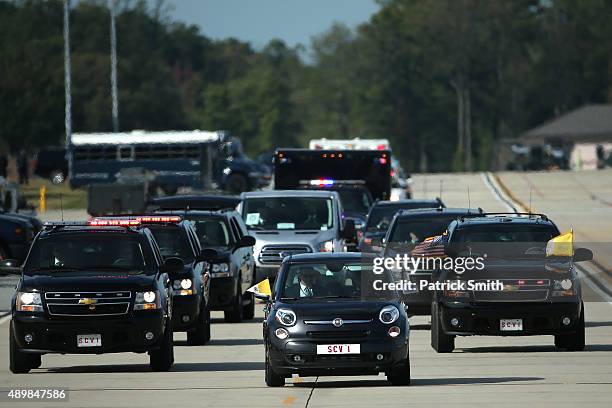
[519, 214]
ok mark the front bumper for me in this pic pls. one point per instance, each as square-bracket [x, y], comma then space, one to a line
[281, 354]
[185, 306]
[484, 319]
[222, 293]
[118, 335]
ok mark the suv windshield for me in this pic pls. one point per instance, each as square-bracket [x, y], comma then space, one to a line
[503, 241]
[172, 242]
[415, 230]
[333, 281]
[211, 232]
[288, 213]
[355, 200]
[93, 251]
[381, 216]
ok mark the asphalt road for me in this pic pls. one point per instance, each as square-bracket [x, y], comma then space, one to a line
[483, 371]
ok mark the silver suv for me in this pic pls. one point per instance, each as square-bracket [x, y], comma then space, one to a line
[287, 222]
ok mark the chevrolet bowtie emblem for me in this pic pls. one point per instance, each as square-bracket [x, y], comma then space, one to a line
[87, 301]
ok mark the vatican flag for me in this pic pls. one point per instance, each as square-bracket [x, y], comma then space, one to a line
[561, 245]
[262, 288]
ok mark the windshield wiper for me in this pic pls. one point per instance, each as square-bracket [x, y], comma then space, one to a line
[54, 268]
[289, 298]
[335, 297]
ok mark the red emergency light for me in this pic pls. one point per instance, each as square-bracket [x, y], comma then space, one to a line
[151, 219]
[96, 222]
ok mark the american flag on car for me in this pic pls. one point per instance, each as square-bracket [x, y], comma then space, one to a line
[431, 247]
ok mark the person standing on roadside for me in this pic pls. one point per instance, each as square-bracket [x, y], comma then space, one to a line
[22, 167]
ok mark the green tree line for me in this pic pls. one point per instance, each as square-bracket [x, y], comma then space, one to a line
[442, 79]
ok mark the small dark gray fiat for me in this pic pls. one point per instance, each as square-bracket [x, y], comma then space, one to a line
[330, 314]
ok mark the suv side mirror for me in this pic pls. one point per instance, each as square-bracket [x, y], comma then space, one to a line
[207, 255]
[583, 254]
[245, 241]
[10, 267]
[262, 296]
[173, 264]
[349, 232]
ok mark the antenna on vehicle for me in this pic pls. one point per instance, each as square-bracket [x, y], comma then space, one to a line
[469, 201]
[441, 184]
[62, 206]
[529, 209]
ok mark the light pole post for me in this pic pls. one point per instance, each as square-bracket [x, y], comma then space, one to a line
[113, 41]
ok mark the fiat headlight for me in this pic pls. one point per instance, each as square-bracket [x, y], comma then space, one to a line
[28, 302]
[388, 314]
[286, 317]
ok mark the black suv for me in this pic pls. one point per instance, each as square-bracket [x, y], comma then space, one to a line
[541, 294]
[380, 216]
[329, 315]
[91, 288]
[188, 274]
[410, 228]
[229, 250]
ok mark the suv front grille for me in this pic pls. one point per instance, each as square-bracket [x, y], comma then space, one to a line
[88, 303]
[274, 254]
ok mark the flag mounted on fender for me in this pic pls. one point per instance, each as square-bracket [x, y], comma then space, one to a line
[561, 245]
[262, 288]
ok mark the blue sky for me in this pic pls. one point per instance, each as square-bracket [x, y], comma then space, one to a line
[259, 21]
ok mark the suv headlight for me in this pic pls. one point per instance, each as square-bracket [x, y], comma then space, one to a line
[388, 314]
[149, 300]
[327, 246]
[28, 302]
[562, 288]
[219, 270]
[286, 317]
[182, 287]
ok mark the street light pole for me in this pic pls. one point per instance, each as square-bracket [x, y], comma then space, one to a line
[67, 90]
[113, 41]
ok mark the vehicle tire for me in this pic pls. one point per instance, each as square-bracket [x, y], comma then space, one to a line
[440, 341]
[273, 379]
[236, 184]
[35, 360]
[235, 315]
[163, 358]
[19, 362]
[249, 310]
[201, 334]
[574, 341]
[400, 376]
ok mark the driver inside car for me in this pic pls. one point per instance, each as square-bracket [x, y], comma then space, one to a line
[307, 286]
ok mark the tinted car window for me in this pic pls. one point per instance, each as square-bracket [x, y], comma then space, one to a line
[503, 241]
[86, 251]
[415, 230]
[319, 280]
[212, 232]
[380, 217]
[290, 213]
[355, 200]
[173, 242]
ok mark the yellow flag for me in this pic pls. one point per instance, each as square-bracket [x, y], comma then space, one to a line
[561, 245]
[262, 288]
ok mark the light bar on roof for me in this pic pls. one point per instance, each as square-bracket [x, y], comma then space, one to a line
[322, 182]
[123, 222]
[151, 219]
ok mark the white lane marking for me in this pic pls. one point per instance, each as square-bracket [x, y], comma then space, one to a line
[496, 191]
[587, 278]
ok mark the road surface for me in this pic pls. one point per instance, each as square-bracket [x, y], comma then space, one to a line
[483, 371]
